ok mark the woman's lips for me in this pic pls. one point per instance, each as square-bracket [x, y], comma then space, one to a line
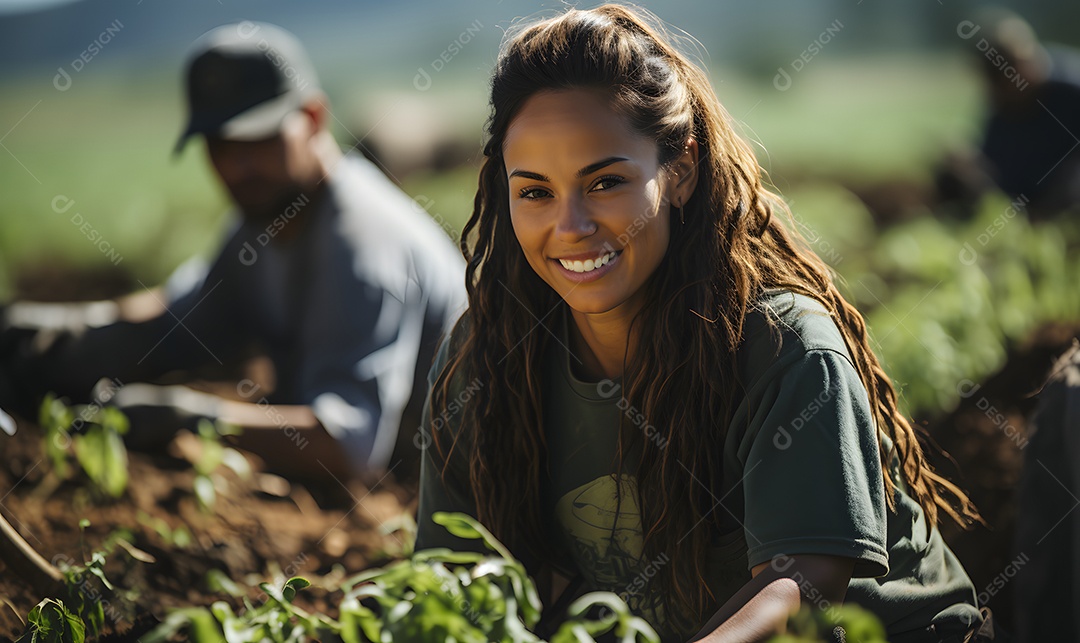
[580, 271]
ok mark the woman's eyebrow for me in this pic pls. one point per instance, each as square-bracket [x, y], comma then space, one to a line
[530, 175]
[583, 172]
[599, 165]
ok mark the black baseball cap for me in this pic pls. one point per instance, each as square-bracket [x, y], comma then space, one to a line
[243, 79]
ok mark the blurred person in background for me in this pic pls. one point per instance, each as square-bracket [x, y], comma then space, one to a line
[1030, 139]
[1046, 550]
[329, 270]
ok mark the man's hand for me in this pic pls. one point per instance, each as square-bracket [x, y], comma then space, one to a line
[157, 413]
[287, 437]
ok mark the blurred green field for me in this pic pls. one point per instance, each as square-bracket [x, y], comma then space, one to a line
[106, 145]
[104, 150]
[945, 300]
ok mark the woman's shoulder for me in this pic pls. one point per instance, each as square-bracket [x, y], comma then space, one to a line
[781, 327]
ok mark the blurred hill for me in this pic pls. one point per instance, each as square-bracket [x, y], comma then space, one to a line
[356, 31]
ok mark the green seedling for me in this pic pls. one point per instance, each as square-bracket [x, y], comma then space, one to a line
[94, 436]
[213, 454]
[276, 620]
[219, 582]
[405, 526]
[80, 612]
[433, 595]
[51, 622]
[180, 537]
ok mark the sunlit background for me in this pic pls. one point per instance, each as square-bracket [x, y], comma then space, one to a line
[851, 105]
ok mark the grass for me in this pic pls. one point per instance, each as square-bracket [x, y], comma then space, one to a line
[103, 152]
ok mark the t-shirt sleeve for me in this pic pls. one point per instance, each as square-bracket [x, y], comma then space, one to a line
[204, 320]
[436, 494]
[358, 369]
[812, 481]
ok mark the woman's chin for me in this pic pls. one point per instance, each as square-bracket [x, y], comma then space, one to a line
[590, 305]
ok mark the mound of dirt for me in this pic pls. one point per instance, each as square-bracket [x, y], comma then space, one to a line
[983, 442]
[261, 528]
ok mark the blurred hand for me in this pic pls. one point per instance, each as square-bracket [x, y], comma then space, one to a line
[24, 362]
[7, 423]
[157, 413]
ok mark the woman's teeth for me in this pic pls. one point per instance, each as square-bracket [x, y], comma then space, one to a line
[589, 264]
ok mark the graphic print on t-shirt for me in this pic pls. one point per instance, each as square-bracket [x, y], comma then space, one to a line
[608, 544]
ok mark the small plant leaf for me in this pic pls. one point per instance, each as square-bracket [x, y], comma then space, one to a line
[205, 493]
[102, 455]
[237, 462]
[292, 586]
[457, 524]
[219, 581]
[50, 621]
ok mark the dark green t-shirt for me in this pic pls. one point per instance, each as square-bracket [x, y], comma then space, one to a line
[801, 470]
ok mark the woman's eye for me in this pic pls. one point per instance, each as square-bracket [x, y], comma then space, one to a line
[607, 182]
[532, 193]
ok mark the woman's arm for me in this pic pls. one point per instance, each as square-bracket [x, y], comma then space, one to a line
[761, 607]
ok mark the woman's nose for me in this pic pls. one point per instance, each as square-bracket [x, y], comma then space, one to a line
[574, 220]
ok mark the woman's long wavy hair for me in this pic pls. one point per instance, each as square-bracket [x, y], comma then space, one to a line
[682, 374]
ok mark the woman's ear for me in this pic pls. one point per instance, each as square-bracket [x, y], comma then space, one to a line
[684, 175]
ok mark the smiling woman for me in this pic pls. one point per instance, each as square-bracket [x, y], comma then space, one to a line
[623, 254]
[569, 209]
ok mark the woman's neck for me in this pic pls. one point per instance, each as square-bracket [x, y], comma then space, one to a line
[600, 342]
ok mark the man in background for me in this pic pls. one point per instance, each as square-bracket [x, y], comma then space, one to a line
[1030, 148]
[330, 271]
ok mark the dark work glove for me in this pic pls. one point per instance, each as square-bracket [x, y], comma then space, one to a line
[24, 364]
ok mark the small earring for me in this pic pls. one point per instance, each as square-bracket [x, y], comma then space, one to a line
[679, 208]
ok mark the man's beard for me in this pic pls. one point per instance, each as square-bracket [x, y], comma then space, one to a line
[285, 202]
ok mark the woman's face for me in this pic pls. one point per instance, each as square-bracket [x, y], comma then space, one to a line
[589, 201]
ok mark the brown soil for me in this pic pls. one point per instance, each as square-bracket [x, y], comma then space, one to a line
[261, 529]
[984, 454]
[268, 529]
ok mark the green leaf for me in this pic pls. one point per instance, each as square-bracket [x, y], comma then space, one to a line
[464, 526]
[102, 455]
[202, 628]
[631, 627]
[292, 585]
[273, 592]
[211, 448]
[355, 618]
[205, 493]
[445, 555]
[113, 419]
[55, 419]
[607, 599]
[50, 621]
[458, 524]
[218, 581]
[386, 574]
[96, 566]
[221, 611]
